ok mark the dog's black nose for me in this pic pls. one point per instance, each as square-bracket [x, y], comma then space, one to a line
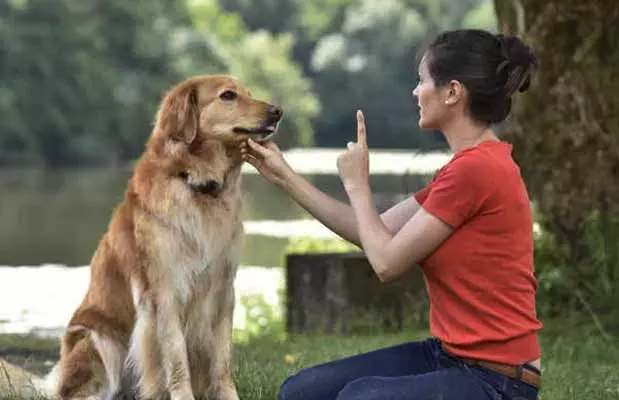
[274, 113]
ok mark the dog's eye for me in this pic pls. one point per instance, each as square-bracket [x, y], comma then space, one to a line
[228, 95]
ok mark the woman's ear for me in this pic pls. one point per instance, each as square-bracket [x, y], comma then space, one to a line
[455, 92]
[178, 115]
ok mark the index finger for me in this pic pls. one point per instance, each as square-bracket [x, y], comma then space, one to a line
[361, 132]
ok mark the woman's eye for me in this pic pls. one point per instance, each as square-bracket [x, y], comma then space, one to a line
[228, 95]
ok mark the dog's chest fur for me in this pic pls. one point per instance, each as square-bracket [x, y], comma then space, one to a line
[198, 251]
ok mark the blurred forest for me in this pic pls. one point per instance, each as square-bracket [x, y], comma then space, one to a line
[80, 79]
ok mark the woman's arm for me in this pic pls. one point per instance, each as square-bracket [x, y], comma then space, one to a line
[336, 215]
[340, 217]
[391, 255]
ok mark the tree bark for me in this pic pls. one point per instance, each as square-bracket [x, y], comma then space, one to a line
[340, 293]
[565, 130]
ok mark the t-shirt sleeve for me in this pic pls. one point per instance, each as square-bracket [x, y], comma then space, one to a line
[422, 194]
[457, 193]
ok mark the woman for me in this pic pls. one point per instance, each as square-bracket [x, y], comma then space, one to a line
[470, 230]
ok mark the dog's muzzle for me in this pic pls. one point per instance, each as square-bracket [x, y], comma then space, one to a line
[209, 187]
[267, 128]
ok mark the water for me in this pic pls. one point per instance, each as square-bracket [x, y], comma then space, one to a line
[40, 299]
[52, 220]
[58, 216]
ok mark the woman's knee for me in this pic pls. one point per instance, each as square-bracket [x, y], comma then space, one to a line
[361, 388]
[299, 386]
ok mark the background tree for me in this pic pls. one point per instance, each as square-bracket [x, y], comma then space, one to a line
[361, 53]
[79, 80]
[262, 59]
[566, 136]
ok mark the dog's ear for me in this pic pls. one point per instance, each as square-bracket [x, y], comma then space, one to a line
[179, 114]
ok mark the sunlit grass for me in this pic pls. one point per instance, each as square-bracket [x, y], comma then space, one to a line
[575, 366]
[577, 363]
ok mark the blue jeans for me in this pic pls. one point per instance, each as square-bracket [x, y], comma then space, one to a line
[410, 371]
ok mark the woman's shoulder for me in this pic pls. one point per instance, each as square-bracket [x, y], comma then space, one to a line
[479, 167]
[483, 158]
[466, 161]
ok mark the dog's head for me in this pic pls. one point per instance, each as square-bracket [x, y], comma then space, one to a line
[216, 108]
[200, 124]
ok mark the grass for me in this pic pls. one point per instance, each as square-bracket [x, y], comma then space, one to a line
[576, 366]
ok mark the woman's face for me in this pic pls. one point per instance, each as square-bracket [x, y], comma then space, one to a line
[430, 99]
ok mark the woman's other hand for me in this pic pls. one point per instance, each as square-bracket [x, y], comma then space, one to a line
[353, 164]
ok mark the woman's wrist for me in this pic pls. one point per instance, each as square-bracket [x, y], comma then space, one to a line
[358, 190]
[289, 180]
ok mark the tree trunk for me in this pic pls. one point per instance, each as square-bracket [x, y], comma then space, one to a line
[340, 293]
[565, 130]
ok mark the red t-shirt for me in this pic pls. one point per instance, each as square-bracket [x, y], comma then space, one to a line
[480, 281]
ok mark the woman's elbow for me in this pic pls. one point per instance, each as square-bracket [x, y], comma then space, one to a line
[386, 274]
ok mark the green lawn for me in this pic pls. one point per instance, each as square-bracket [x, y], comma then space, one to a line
[579, 367]
[576, 365]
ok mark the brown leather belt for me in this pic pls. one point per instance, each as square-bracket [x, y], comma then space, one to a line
[524, 374]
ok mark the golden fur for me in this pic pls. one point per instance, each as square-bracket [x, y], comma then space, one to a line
[157, 316]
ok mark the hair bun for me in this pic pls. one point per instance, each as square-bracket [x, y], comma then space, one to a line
[518, 64]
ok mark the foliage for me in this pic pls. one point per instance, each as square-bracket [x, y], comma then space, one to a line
[262, 319]
[554, 297]
[318, 245]
[361, 54]
[564, 132]
[262, 60]
[80, 79]
[282, 83]
[481, 17]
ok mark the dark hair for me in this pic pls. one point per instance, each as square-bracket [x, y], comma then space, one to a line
[491, 67]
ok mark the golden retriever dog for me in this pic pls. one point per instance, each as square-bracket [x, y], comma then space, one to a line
[156, 321]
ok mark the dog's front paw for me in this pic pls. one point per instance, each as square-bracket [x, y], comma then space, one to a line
[228, 393]
[182, 394]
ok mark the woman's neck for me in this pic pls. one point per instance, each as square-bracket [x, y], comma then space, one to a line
[464, 133]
